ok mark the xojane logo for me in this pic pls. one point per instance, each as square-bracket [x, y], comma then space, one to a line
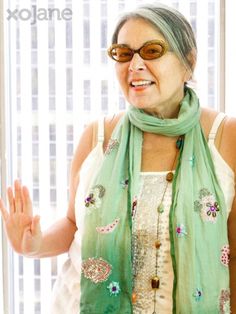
[35, 14]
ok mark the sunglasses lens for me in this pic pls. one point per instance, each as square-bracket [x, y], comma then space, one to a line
[121, 54]
[152, 51]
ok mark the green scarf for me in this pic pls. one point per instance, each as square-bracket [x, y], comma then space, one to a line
[198, 220]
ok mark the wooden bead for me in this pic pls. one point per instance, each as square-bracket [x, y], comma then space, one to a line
[134, 297]
[155, 282]
[169, 176]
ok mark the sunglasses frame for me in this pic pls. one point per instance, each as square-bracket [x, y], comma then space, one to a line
[160, 42]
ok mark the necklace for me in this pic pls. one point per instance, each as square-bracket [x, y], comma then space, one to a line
[155, 280]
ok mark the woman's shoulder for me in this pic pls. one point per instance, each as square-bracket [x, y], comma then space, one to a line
[110, 123]
[225, 139]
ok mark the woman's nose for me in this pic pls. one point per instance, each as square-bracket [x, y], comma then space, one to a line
[137, 63]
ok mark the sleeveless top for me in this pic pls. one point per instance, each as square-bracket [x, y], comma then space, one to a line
[144, 228]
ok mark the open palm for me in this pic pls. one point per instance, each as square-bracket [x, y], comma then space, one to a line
[23, 229]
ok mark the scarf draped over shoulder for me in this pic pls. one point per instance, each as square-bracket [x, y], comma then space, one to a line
[197, 220]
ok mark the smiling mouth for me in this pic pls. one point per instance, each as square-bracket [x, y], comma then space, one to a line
[141, 83]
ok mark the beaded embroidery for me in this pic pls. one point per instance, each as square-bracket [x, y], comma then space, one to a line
[93, 200]
[180, 230]
[109, 228]
[134, 206]
[225, 302]
[114, 288]
[96, 269]
[112, 144]
[197, 295]
[125, 183]
[225, 253]
[207, 206]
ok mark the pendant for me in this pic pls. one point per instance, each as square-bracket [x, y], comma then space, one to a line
[155, 282]
[169, 176]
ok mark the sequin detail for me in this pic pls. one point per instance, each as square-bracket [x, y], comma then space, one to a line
[197, 295]
[134, 206]
[181, 230]
[225, 253]
[112, 144]
[114, 288]
[96, 269]
[192, 161]
[225, 302]
[207, 206]
[125, 183]
[93, 200]
[109, 228]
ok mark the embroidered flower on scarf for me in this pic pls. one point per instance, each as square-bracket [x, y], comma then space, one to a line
[225, 253]
[134, 206]
[197, 295]
[224, 302]
[192, 161]
[93, 200]
[125, 183]
[112, 144]
[180, 230]
[96, 269]
[114, 288]
[207, 206]
[109, 228]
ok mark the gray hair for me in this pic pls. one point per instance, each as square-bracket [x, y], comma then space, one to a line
[173, 26]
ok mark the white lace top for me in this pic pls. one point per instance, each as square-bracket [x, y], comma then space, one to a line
[144, 237]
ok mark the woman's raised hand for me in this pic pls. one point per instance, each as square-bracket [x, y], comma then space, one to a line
[23, 229]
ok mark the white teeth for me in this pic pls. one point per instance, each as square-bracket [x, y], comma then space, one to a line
[141, 83]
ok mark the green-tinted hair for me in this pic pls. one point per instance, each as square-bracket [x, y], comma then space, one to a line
[173, 26]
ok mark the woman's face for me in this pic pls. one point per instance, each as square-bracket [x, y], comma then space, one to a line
[162, 86]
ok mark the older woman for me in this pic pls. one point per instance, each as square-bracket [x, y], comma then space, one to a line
[159, 215]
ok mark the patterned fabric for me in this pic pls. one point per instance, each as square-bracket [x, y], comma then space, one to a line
[144, 235]
[195, 243]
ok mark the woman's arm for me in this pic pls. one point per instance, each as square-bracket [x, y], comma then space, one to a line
[23, 228]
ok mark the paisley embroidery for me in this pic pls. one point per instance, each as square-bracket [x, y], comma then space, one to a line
[96, 269]
[225, 253]
[207, 206]
[109, 228]
[225, 302]
[112, 144]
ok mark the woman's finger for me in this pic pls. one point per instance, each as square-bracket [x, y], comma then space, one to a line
[35, 227]
[18, 196]
[3, 210]
[27, 203]
[11, 201]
